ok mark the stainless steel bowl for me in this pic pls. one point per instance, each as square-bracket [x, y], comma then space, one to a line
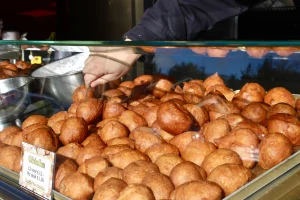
[14, 98]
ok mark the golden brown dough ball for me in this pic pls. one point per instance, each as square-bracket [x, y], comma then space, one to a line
[121, 140]
[286, 124]
[103, 122]
[150, 115]
[132, 120]
[183, 139]
[112, 93]
[8, 73]
[109, 151]
[34, 119]
[244, 142]
[220, 157]
[77, 186]
[220, 89]
[185, 172]
[197, 150]
[57, 126]
[10, 66]
[7, 131]
[160, 149]
[73, 130]
[170, 96]
[113, 129]
[79, 95]
[197, 190]
[173, 117]
[193, 92]
[126, 87]
[160, 185]
[110, 172]
[22, 65]
[212, 80]
[90, 110]
[112, 110]
[93, 166]
[87, 153]
[17, 139]
[273, 149]
[257, 52]
[64, 167]
[136, 191]
[256, 112]
[72, 110]
[10, 158]
[282, 108]
[144, 137]
[70, 150]
[33, 127]
[138, 107]
[260, 130]
[200, 114]
[230, 177]
[164, 134]
[44, 138]
[167, 162]
[136, 171]
[61, 115]
[93, 140]
[216, 129]
[143, 80]
[279, 95]
[162, 86]
[123, 158]
[110, 190]
[233, 119]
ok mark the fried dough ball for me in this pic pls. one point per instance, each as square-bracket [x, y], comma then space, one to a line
[220, 89]
[33, 127]
[109, 151]
[136, 192]
[173, 117]
[160, 149]
[10, 158]
[123, 158]
[110, 172]
[185, 172]
[4, 62]
[70, 150]
[34, 119]
[112, 93]
[121, 140]
[112, 110]
[103, 122]
[183, 139]
[150, 115]
[72, 110]
[144, 137]
[74, 129]
[87, 153]
[151, 102]
[279, 95]
[200, 114]
[8, 139]
[10, 66]
[17, 139]
[286, 124]
[9, 72]
[216, 129]
[61, 115]
[297, 106]
[136, 171]
[126, 87]
[132, 120]
[260, 130]
[193, 92]
[162, 86]
[170, 96]
[230, 177]
[167, 162]
[217, 52]
[164, 134]
[7, 131]
[44, 138]
[243, 141]
[257, 52]
[281, 108]
[57, 126]
[93, 166]
[90, 110]
[220, 157]
[212, 80]
[138, 107]
[197, 150]
[110, 190]
[256, 112]
[233, 119]
[143, 80]
[79, 95]
[197, 190]
[113, 129]
[22, 65]
[63, 168]
[160, 185]
[273, 149]
[93, 140]
[77, 186]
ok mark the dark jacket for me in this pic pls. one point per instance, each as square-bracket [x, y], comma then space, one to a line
[184, 19]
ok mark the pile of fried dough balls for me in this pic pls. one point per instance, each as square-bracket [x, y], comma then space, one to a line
[153, 139]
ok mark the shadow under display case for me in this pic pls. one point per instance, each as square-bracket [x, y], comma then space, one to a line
[235, 100]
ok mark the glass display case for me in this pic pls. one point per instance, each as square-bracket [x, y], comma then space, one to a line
[54, 72]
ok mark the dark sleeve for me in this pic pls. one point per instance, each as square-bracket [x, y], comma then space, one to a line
[184, 19]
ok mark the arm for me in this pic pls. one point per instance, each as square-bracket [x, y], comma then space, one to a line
[184, 19]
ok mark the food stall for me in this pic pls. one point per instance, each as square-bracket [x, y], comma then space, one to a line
[219, 116]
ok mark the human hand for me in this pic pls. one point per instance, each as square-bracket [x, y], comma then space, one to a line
[105, 65]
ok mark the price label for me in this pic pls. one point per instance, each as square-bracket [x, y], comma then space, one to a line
[36, 60]
[37, 170]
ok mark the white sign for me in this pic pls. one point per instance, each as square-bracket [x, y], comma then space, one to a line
[37, 170]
